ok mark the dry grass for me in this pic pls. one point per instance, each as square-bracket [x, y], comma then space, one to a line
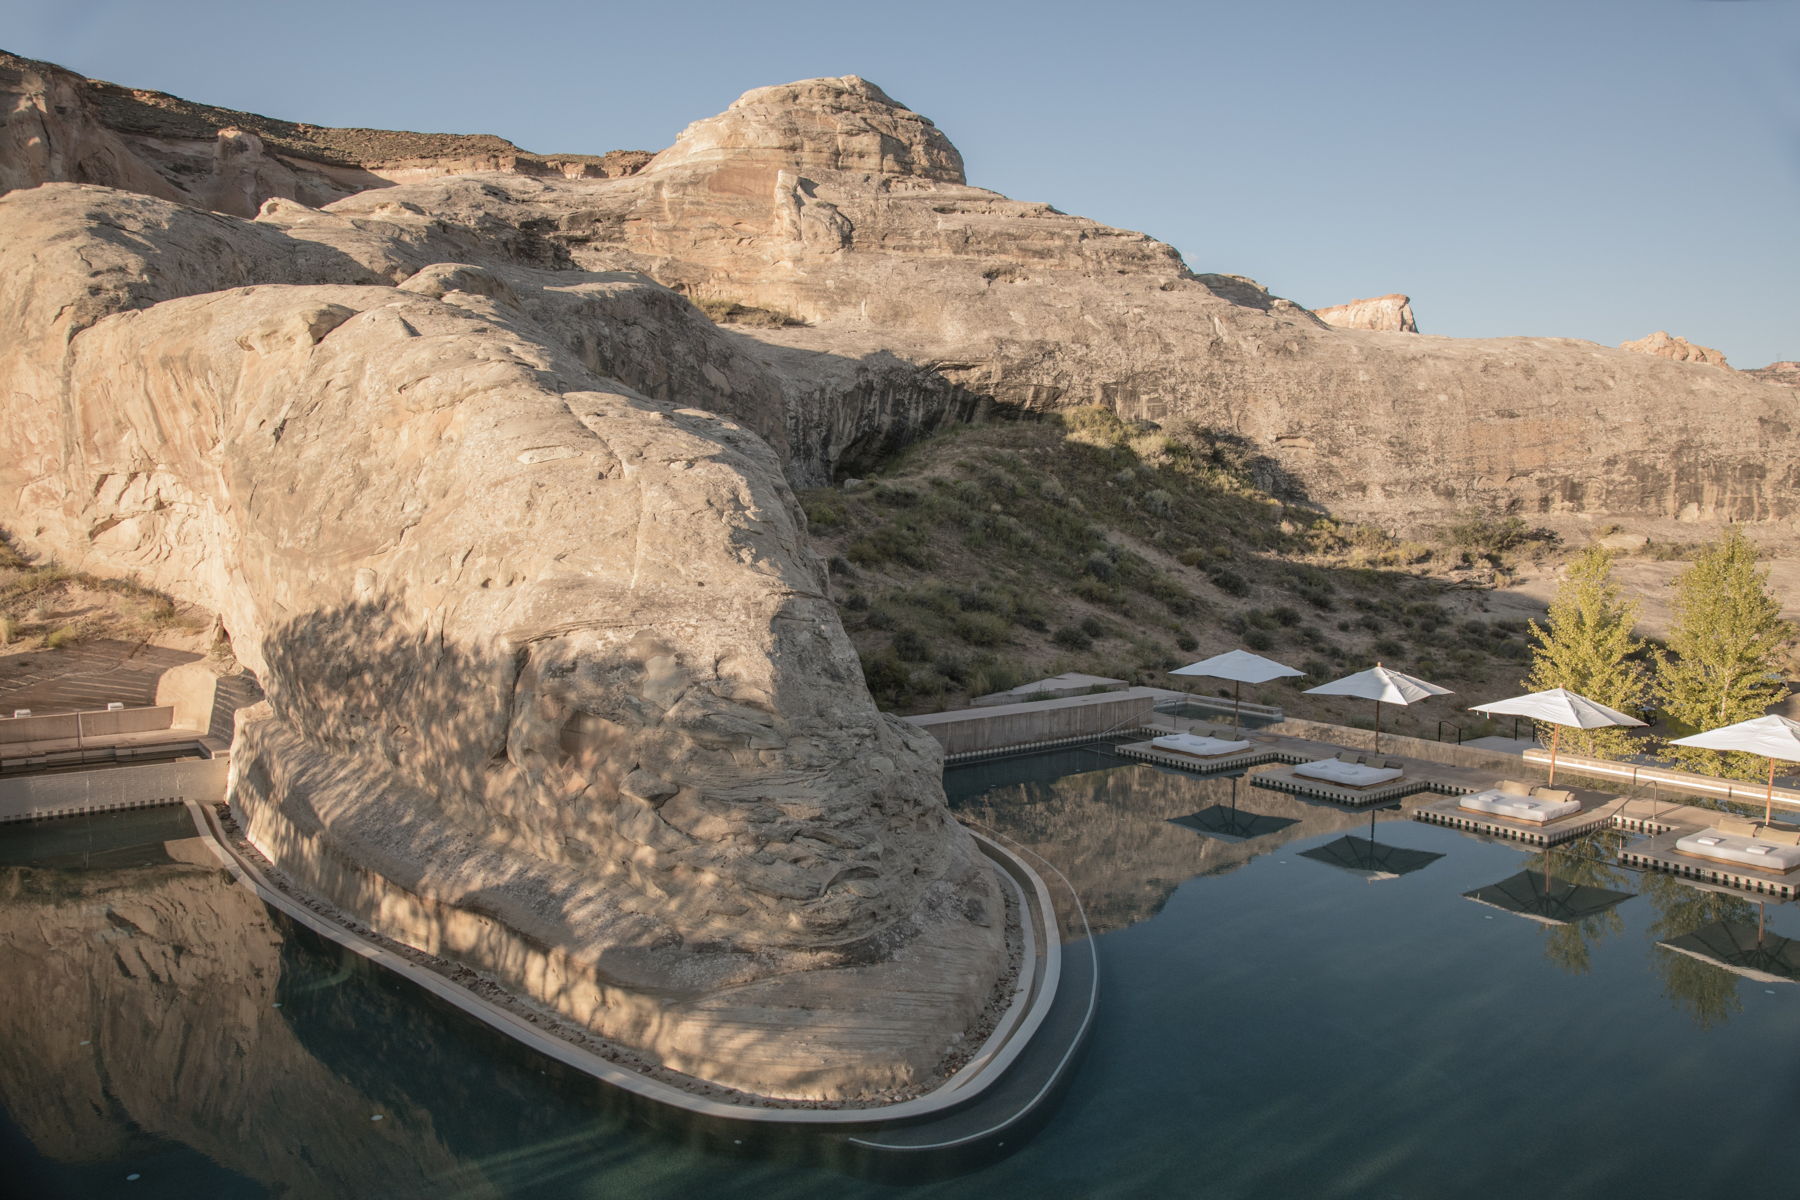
[993, 554]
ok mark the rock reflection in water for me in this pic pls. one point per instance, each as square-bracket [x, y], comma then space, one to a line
[1107, 824]
[141, 1009]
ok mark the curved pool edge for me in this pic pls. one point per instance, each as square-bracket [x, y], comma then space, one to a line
[1035, 995]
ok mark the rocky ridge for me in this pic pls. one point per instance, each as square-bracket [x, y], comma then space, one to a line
[1662, 344]
[880, 254]
[62, 127]
[1389, 314]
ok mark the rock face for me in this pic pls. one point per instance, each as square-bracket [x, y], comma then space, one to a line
[1387, 314]
[1779, 372]
[555, 689]
[58, 126]
[1664, 345]
[920, 298]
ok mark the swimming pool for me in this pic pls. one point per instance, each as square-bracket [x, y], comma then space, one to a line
[1294, 1013]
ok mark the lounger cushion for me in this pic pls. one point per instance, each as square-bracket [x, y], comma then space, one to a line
[1202, 747]
[1735, 825]
[1551, 795]
[1513, 787]
[1520, 808]
[1752, 852]
[1347, 774]
[1349, 756]
[1778, 836]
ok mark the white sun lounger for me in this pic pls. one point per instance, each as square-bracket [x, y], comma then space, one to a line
[1199, 747]
[1348, 774]
[1720, 846]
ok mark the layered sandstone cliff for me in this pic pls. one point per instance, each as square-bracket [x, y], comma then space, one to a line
[555, 688]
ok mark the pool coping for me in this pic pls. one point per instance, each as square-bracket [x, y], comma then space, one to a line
[1034, 993]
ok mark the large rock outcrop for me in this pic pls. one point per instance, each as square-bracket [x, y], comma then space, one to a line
[1385, 314]
[829, 203]
[1663, 344]
[919, 300]
[56, 126]
[555, 688]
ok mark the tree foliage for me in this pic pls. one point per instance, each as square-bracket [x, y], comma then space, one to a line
[1725, 654]
[1586, 646]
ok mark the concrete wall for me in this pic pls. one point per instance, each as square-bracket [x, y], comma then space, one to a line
[65, 793]
[1664, 778]
[1448, 753]
[58, 726]
[968, 730]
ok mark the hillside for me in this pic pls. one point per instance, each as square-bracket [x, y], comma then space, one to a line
[998, 553]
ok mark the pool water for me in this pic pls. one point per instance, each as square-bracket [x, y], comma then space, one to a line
[1283, 1015]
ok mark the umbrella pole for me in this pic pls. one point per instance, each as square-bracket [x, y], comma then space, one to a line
[1377, 727]
[1769, 796]
[1555, 733]
[1237, 716]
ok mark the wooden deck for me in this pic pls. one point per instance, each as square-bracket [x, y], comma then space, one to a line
[1597, 810]
[1146, 752]
[1659, 854]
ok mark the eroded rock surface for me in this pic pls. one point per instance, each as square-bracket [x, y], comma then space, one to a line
[56, 126]
[1665, 345]
[829, 203]
[1389, 314]
[555, 689]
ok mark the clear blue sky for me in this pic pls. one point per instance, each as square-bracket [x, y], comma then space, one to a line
[1579, 168]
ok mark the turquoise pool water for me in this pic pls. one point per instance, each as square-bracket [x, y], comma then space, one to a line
[1278, 1021]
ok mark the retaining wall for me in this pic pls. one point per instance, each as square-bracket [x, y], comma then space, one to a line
[65, 793]
[996, 727]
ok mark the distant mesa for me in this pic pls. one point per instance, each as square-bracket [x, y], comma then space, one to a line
[1786, 371]
[1666, 345]
[1388, 314]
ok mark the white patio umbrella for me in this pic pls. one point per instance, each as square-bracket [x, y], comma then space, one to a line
[1379, 684]
[1772, 737]
[1558, 707]
[1241, 667]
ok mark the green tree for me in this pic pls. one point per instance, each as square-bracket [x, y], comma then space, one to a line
[1725, 655]
[1586, 646]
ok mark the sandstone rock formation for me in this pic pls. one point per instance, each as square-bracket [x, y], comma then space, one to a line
[922, 300]
[57, 126]
[1664, 345]
[922, 297]
[1389, 314]
[1779, 372]
[555, 689]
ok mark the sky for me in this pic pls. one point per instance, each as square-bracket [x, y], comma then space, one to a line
[1596, 169]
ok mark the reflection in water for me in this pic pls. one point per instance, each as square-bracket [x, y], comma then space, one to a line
[142, 1012]
[1706, 992]
[1107, 823]
[1367, 857]
[1572, 889]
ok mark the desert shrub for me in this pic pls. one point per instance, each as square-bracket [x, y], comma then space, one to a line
[1099, 565]
[887, 677]
[1186, 642]
[1071, 637]
[1286, 615]
[65, 636]
[1193, 556]
[1257, 639]
[881, 617]
[1229, 582]
[1095, 628]
[1317, 668]
[730, 312]
[981, 628]
[1388, 648]
[856, 602]
[910, 645]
